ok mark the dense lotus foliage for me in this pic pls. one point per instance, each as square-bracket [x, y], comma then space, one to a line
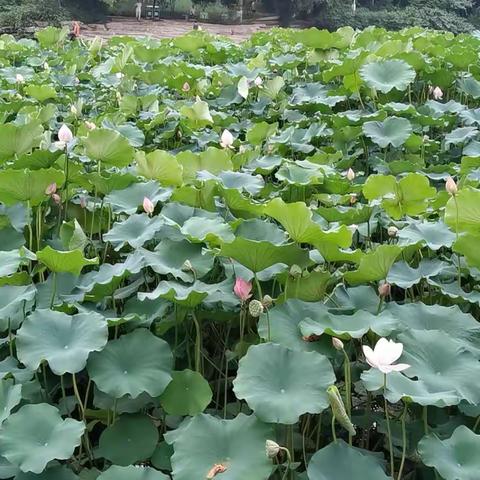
[240, 262]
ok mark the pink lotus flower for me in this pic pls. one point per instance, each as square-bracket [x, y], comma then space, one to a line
[148, 205]
[51, 189]
[384, 354]
[65, 135]
[451, 186]
[242, 289]
[437, 93]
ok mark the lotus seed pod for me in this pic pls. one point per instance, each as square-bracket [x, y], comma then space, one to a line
[187, 266]
[272, 448]
[392, 231]
[295, 271]
[255, 308]
[337, 343]
[338, 409]
[384, 289]
[267, 301]
[451, 186]
[350, 174]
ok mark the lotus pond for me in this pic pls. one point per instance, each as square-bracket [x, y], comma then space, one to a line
[240, 262]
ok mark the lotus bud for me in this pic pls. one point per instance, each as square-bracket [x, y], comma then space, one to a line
[337, 344]
[267, 301]
[187, 266]
[186, 87]
[148, 206]
[51, 189]
[19, 78]
[426, 138]
[226, 140]
[242, 289]
[242, 149]
[119, 75]
[83, 202]
[217, 468]
[338, 409]
[295, 271]
[392, 231]
[451, 186]
[90, 125]
[255, 308]
[65, 135]
[56, 198]
[74, 110]
[384, 289]
[258, 81]
[46, 66]
[272, 449]
[437, 93]
[353, 199]
[350, 175]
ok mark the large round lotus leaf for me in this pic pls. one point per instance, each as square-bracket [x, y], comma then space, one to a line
[187, 394]
[392, 131]
[108, 147]
[124, 404]
[133, 472]
[281, 384]
[135, 363]
[130, 439]
[58, 261]
[10, 396]
[387, 75]
[64, 341]
[15, 140]
[455, 458]
[339, 461]
[204, 441]
[55, 472]
[440, 373]
[37, 434]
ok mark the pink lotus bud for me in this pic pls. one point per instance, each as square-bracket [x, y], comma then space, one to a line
[226, 140]
[384, 289]
[350, 174]
[83, 202]
[186, 87]
[51, 189]
[353, 199]
[90, 125]
[337, 344]
[242, 289]
[451, 186]
[437, 93]
[56, 198]
[216, 469]
[65, 135]
[148, 205]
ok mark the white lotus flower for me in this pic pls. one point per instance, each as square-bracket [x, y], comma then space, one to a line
[392, 231]
[19, 78]
[451, 186]
[384, 354]
[337, 344]
[350, 174]
[437, 93]
[258, 81]
[148, 205]
[226, 140]
[65, 135]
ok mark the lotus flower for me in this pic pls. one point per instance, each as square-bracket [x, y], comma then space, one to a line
[272, 448]
[51, 189]
[437, 93]
[337, 344]
[56, 198]
[186, 87]
[226, 140]
[90, 125]
[384, 354]
[19, 78]
[384, 289]
[258, 81]
[242, 289]
[65, 135]
[350, 174]
[148, 205]
[392, 231]
[451, 186]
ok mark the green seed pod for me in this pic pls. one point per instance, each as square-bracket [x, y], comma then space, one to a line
[338, 409]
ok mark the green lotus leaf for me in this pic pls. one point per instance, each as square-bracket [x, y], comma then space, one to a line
[64, 341]
[10, 397]
[198, 114]
[130, 439]
[135, 363]
[55, 472]
[404, 276]
[204, 441]
[124, 404]
[9, 367]
[9, 262]
[213, 160]
[129, 199]
[161, 457]
[209, 230]
[40, 92]
[161, 166]
[71, 261]
[467, 246]
[300, 173]
[392, 131]
[299, 139]
[187, 394]
[12, 300]
[471, 117]
[437, 376]
[343, 462]
[135, 231]
[271, 378]
[51, 36]
[434, 234]
[312, 94]
[132, 472]
[470, 86]
[454, 457]
[375, 265]
[460, 135]
[108, 147]
[37, 434]
[27, 185]
[387, 75]
[244, 182]
[130, 131]
[466, 218]
[310, 287]
[16, 140]
[408, 196]
[260, 131]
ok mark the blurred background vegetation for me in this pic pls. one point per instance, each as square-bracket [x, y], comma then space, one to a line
[452, 15]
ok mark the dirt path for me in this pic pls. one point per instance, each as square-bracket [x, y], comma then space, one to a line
[171, 28]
